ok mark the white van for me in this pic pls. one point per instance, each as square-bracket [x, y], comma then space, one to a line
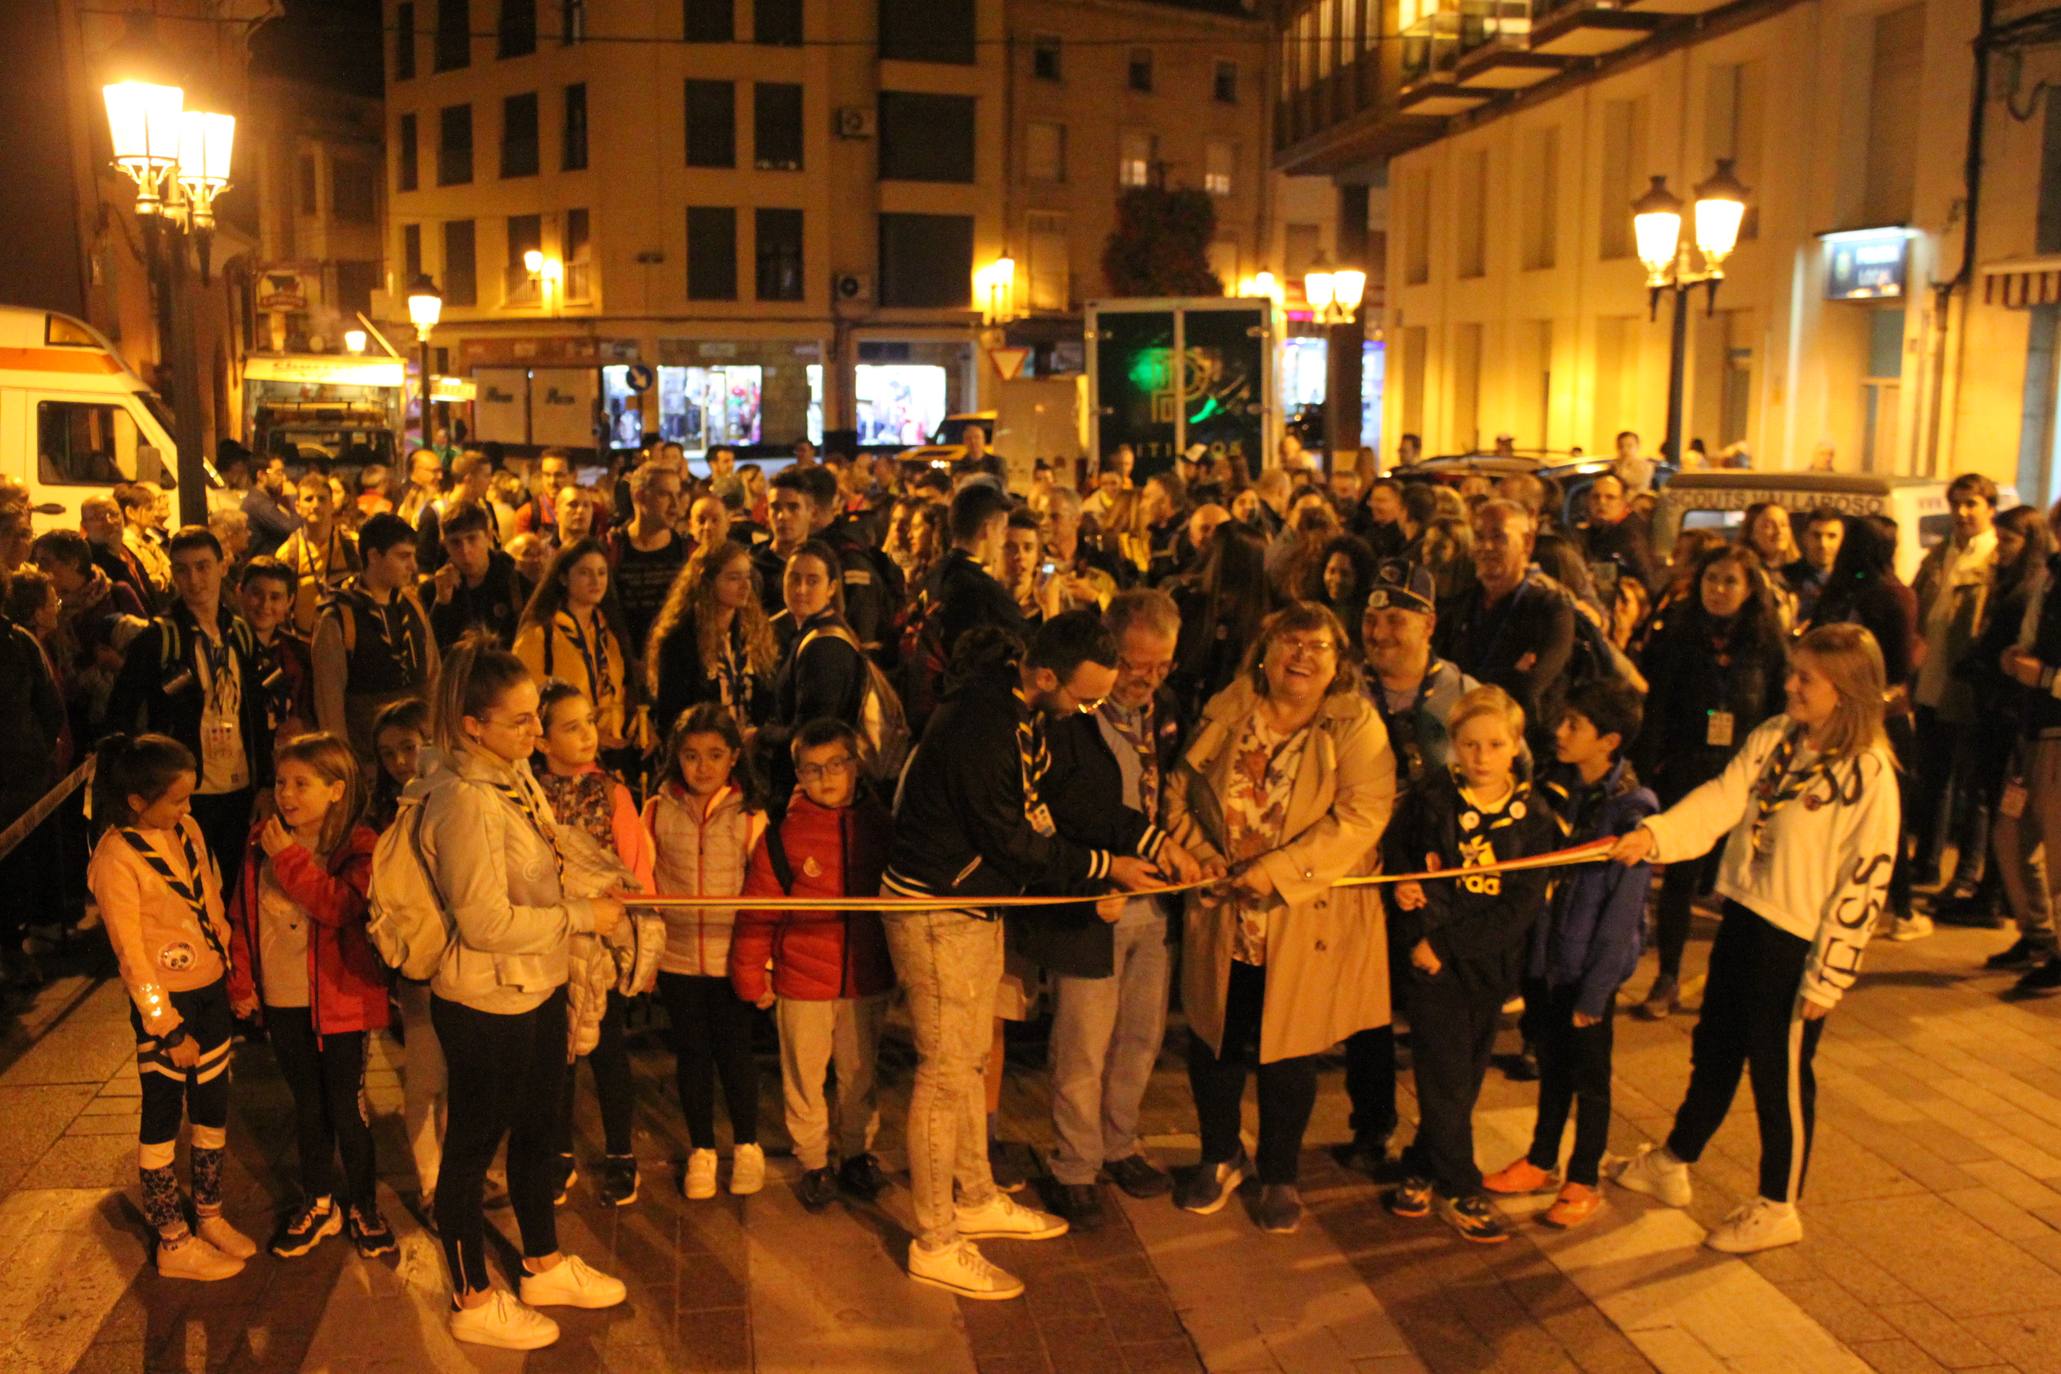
[74, 420]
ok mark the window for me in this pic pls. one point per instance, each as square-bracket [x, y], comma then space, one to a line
[1470, 215]
[454, 35]
[1140, 78]
[1732, 128]
[572, 21]
[525, 236]
[1415, 195]
[84, 445]
[411, 161]
[404, 42]
[777, 21]
[926, 137]
[1219, 158]
[353, 197]
[1137, 155]
[926, 260]
[1624, 174]
[308, 184]
[517, 36]
[519, 135]
[411, 253]
[1225, 86]
[1894, 99]
[577, 247]
[710, 21]
[779, 245]
[711, 124]
[1044, 151]
[454, 145]
[1045, 56]
[776, 127]
[461, 265]
[355, 283]
[1049, 271]
[573, 147]
[711, 253]
[927, 30]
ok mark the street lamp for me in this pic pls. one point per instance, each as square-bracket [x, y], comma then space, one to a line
[996, 284]
[354, 340]
[1718, 215]
[425, 308]
[1333, 293]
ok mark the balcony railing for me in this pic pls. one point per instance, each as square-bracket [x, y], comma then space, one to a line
[1495, 24]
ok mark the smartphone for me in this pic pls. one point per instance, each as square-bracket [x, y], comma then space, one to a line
[1049, 568]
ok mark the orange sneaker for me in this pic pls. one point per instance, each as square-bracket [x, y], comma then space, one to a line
[1521, 1177]
[1575, 1205]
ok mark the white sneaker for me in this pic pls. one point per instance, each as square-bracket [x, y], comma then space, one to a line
[1761, 1224]
[1915, 926]
[963, 1270]
[1656, 1173]
[1004, 1218]
[571, 1282]
[504, 1323]
[194, 1258]
[747, 1170]
[217, 1231]
[701, 1175]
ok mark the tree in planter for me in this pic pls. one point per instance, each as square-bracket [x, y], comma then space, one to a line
[1160, 246]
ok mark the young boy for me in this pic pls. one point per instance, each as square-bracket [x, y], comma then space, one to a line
[830, 974]
[1467, 938]
[1584, 949]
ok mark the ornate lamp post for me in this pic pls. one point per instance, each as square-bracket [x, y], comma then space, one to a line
[425, 308]
[1719, 212]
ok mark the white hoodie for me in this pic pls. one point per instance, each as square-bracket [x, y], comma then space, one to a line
[1826, 879]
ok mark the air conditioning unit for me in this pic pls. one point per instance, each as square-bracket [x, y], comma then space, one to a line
[852, 286]
[854, 121]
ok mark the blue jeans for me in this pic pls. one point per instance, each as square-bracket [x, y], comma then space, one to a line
[1106, 1034]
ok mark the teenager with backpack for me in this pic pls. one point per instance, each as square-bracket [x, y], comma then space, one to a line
[373, 644]
[822, 673]
[957, 594]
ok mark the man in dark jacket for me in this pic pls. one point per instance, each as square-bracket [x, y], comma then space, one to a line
[1111, 979]
[960, 590]
[1615, 533]
[971, 823]
[1512, 628]
[477, 586]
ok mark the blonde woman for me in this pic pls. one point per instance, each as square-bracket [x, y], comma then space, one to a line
[1808, 811]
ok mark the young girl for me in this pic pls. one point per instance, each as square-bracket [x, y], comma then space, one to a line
[705, 818]
[398, 733]
[1467, 938]
[583, 794]
[299, 957]
[160, 896]
[1808, 813]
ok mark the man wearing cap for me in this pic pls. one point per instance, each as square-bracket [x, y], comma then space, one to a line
[1193, 465]
[1413, 690]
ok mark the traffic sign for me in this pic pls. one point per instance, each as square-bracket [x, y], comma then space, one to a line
[1008, 361]
[639, 377]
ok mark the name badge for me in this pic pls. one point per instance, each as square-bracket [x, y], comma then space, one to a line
[2012, 803]
[1717, 731]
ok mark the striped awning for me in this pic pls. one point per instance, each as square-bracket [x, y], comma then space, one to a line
[2021, 283]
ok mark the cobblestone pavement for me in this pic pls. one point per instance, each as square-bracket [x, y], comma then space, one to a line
[1933, 1231]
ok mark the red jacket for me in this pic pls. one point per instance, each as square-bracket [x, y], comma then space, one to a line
[817, 956]
[347, 984]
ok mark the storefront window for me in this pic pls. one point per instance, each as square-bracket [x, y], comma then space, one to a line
[898, 403]
[697, 407]
[816, 404]
[1303, 374]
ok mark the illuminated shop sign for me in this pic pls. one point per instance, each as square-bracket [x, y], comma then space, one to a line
[1866, 264]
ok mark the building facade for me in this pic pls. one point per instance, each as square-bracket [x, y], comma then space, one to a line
[1513, 138]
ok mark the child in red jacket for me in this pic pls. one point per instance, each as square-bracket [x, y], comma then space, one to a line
[298, 949]
[830, 970]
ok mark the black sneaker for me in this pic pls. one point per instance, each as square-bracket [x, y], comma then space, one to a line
[1411, 1199]
[618, 1181]
[370, 1233]
[305, 1229]
[2043, 981]
[1211, 1185]
[1977, 910]
[817, 1189]
[1004, 1164]
[1079, 1203]
[1280, 1209]
[1525, 1067]
[863, 1177]
[1474, 1219]
[1139, 1176]
[2023, 954]
[566, 1173]
[1372, 1155]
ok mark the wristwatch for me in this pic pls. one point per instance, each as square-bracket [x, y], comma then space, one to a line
[173, 1038]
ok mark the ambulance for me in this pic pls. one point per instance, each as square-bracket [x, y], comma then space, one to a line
[74, 420]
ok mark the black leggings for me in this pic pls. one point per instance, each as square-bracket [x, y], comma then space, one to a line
[505, 1076]
[1287, 1087]
[610, 1061]
[1574, 1075]
[328, 1081]
[712, 1038]
[1673, 910]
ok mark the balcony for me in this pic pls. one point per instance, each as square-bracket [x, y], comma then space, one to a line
[1431, 52]
[1495, 47]
[1675, 7]
[1590, 28]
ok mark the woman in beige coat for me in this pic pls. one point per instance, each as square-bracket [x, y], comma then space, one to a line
[1286, 788]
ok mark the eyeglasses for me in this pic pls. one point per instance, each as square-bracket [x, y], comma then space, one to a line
[527, 721]
[816, 772]
[1306, 648]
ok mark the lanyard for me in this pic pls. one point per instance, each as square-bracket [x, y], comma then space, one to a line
[187, 890]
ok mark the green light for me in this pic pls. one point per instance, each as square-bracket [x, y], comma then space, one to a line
[1148, 369]
[1209, 408]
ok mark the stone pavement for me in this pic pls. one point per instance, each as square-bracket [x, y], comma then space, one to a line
[1933, 1231]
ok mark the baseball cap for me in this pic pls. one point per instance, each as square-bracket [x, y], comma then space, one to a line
[1402, 586]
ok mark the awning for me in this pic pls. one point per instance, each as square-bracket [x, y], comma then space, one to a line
[2021, 283]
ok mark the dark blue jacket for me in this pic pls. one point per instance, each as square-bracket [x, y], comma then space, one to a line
[1593, 931]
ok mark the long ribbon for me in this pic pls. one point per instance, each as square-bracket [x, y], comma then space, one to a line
[14, 834]
[1596, 851]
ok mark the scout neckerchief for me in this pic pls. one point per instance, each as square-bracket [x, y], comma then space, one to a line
[305, 565]
[520, 797]
[734, 685]
[188, 889]
[408, 655]
[1032, 760]
[1136, 729]
[1777, 787]
[1402, 724]
[594, 656]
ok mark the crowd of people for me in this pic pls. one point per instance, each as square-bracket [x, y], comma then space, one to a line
[512, 706]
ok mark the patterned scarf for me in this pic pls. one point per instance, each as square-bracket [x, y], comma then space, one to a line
[187, 889]
[1137, 729]
[1033, 761]
[1776, 787]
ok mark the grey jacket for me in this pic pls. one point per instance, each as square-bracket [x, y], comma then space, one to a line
[499, 880]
